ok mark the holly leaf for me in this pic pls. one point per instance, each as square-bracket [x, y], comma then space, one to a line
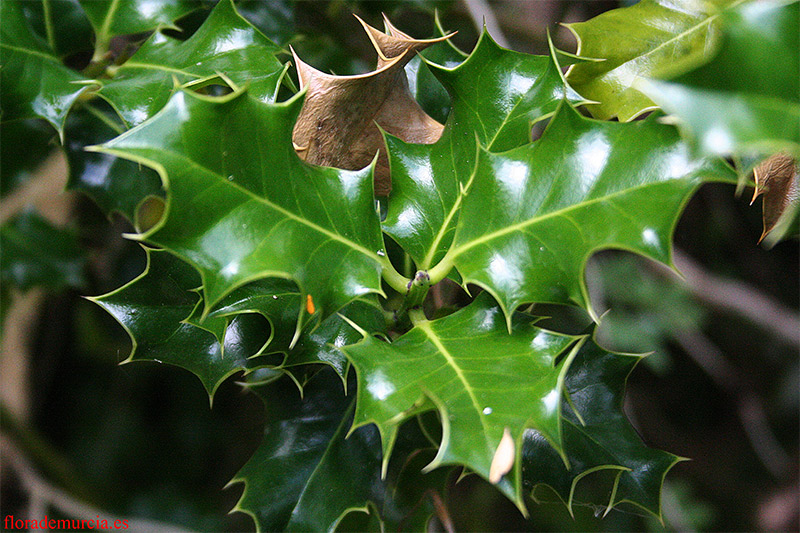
[746, 101]
[64, 22]
[598, 436]
[113, 17]
[35, 83]
[534, 215]
[512, 383]
[650, 38]
[308, 472]
[342, 117]
[279, 301]
[114, 184]
[242, 206]
[423, 85]
[37, 253]
[225, 49]
[154, 309]
[496, 96]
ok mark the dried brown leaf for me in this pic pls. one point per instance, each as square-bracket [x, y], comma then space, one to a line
[340, 122]
[777, 180]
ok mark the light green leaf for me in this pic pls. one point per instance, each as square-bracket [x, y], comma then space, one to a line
[35, 83]
[601, 439]
[746, 101]
[242, 206]
[534, 215]
[226, 47]
[511, 382]
[496, 96]
[650, 38]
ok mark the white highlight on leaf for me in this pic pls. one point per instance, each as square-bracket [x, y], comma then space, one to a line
[238, 38]
[594, 150]
[650, 237]
[539, 342]
[231, 269]
[512, 176]
[551, 401]
[379, 386]
[487, 410]
[503, 458]
[718, 141]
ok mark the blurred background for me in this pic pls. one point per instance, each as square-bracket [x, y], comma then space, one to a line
[140, 440]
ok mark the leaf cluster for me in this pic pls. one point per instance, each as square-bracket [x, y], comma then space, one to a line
[383, 310]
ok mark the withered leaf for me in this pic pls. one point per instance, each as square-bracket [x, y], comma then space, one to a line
[777, 180]
[339, 125]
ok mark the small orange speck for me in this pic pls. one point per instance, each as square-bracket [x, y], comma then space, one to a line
[310, 304]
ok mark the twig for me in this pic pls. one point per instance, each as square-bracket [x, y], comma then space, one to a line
[42, 495]
[739, 298]
[749, 406]
[481, 14]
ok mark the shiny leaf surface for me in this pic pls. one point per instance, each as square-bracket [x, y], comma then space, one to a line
[746, 101]
[534, 215]
[155, 309]
[601, 439]
[35, 83]
[36, 253]
[123, 17]
[279, 300]
[652, 37]
[242, 206]
[308, 473]
[496, 95]
[225, 45]
[514, 381]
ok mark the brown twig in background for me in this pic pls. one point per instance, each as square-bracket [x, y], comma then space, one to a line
[739, 298]
[750, 409]
[42, 495]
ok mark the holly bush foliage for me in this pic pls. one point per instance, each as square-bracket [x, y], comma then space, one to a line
[327, 301]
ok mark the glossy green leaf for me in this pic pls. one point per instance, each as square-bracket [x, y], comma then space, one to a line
[534, 215]
[62, 23]
[496, 96]
[601, 439]
[278, 300]
[423, 85]
[308, 473]
[114, 184]
[652, 37]
[226, 47]
[154, 309]
[36, 253]
[746, 101]
[514, 381]
[35, 83]
[123, 17]
[241, 205]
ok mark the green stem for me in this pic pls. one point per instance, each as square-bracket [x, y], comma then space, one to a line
[395, 280]
[417, 316]
[442, 268]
